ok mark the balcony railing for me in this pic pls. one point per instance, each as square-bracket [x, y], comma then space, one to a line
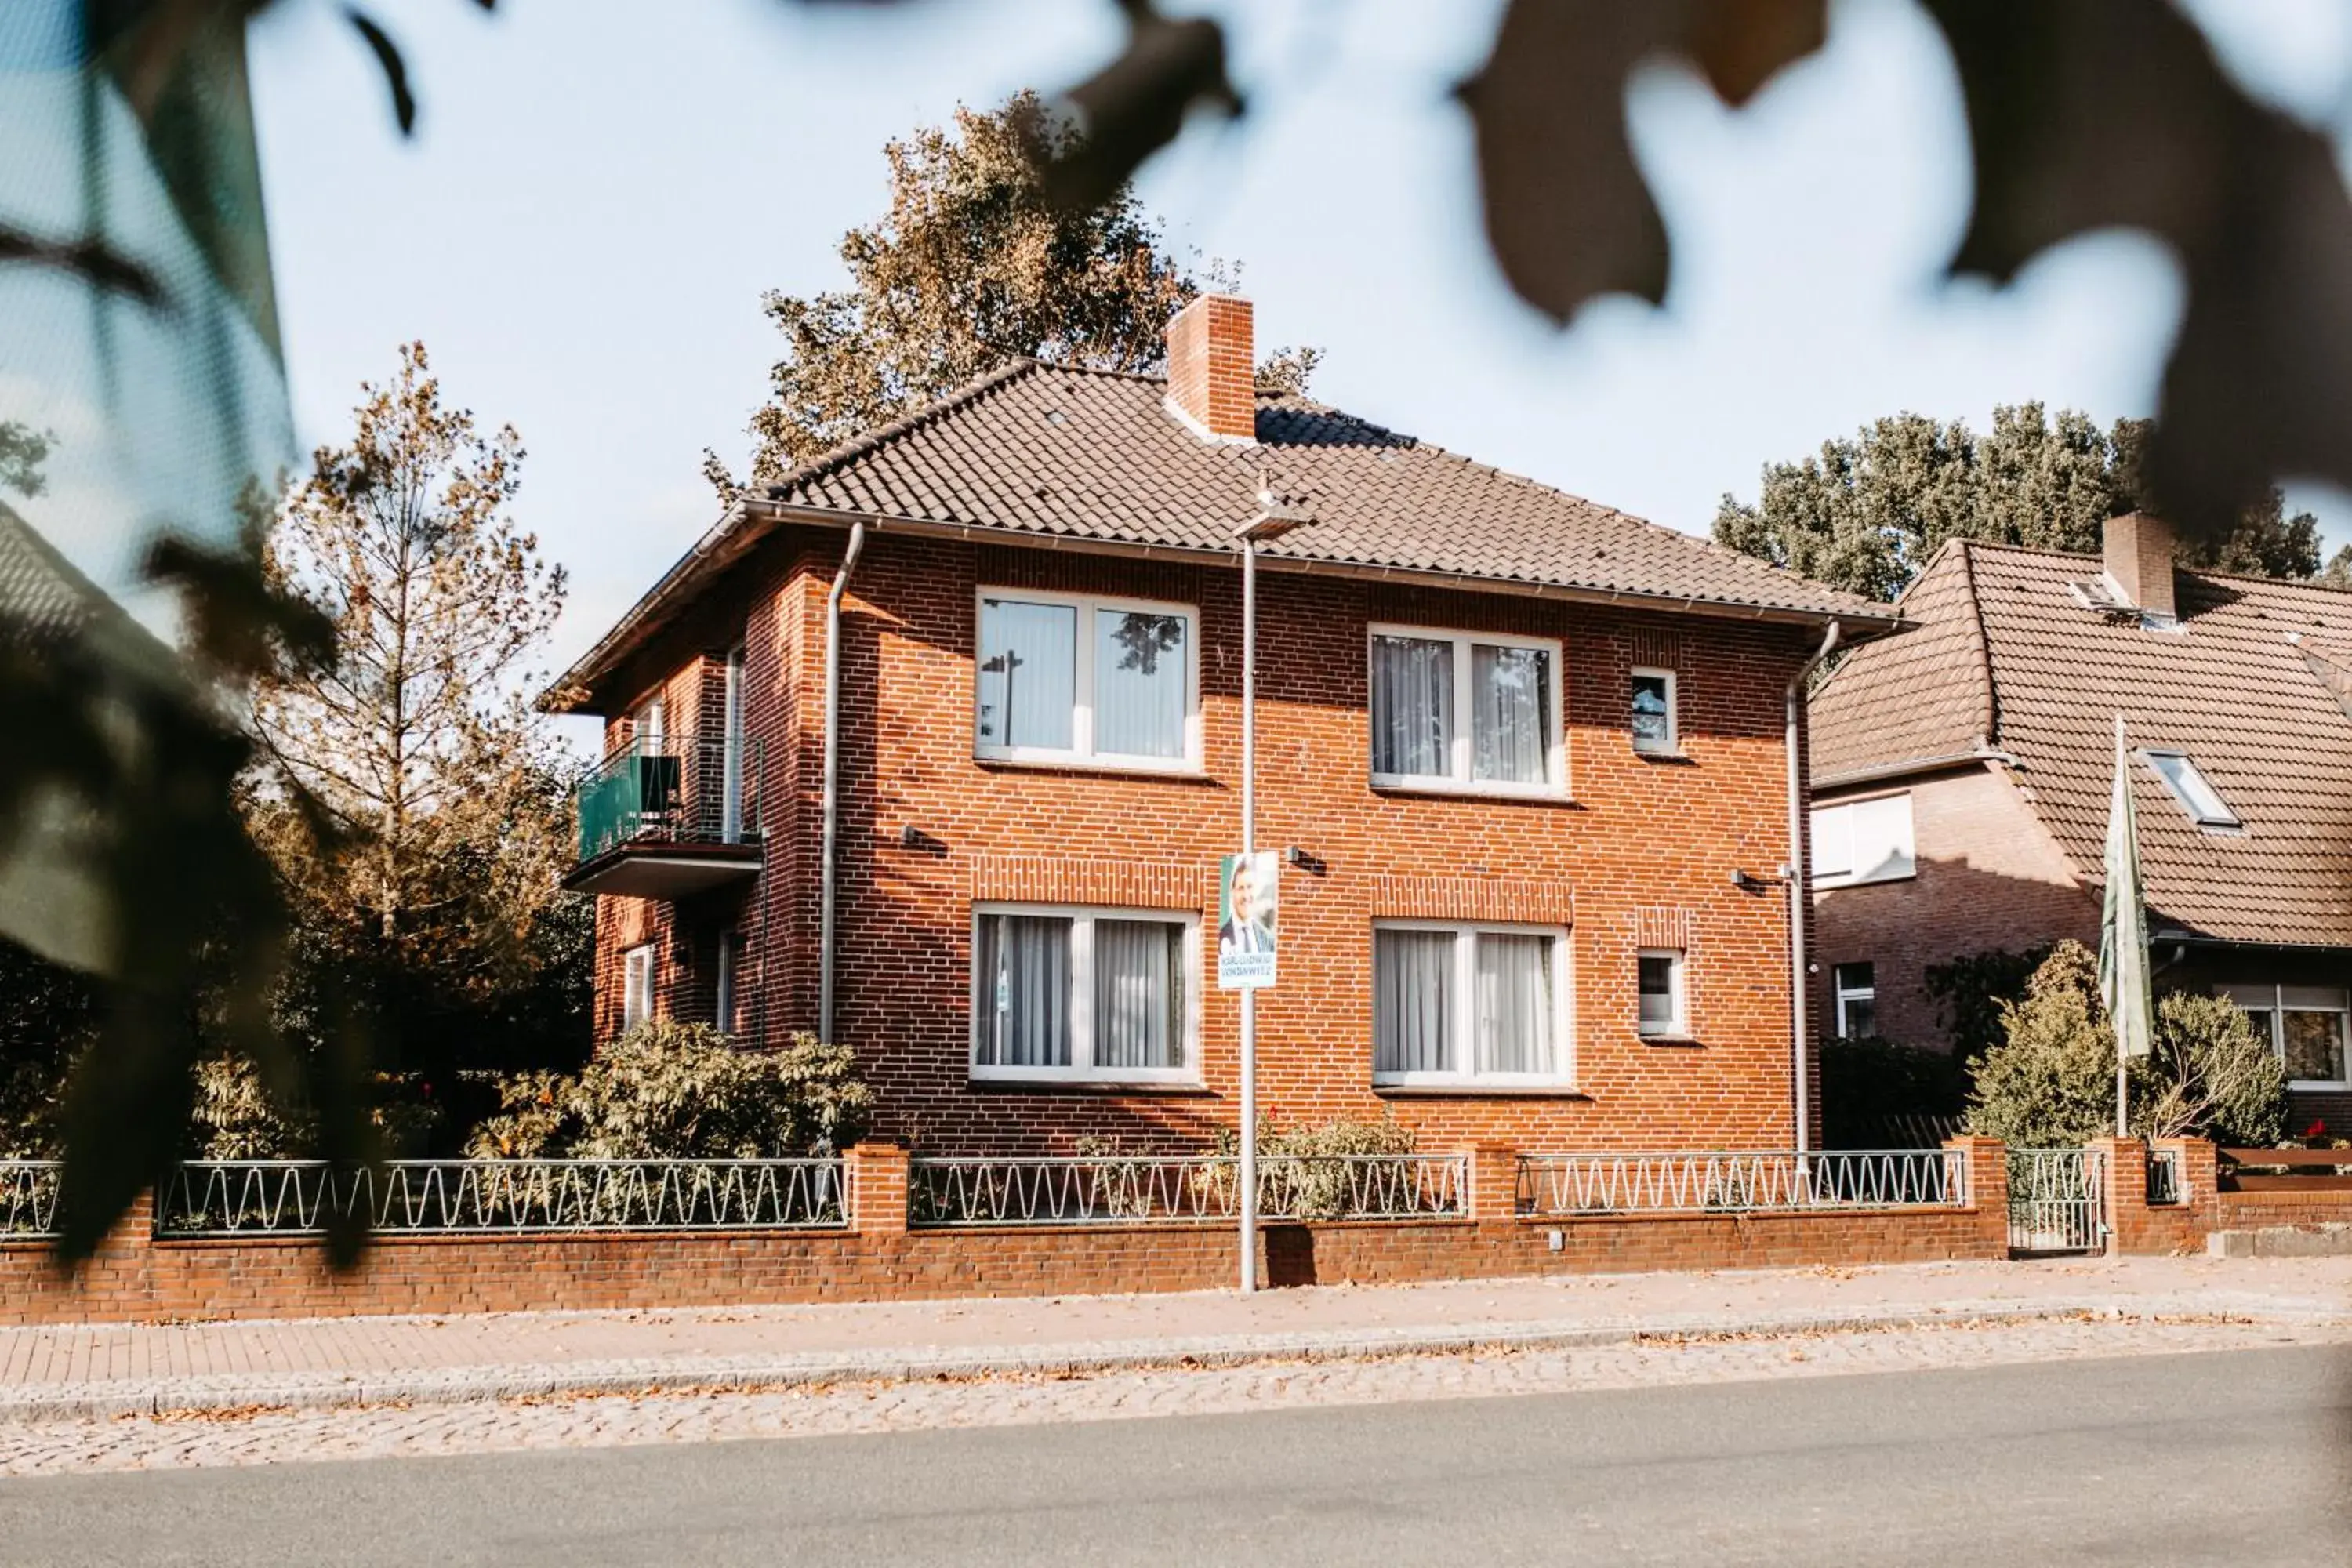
[673, 791]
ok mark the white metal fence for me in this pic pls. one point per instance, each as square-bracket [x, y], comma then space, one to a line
[237, 1197]
[1742, 1182]
[2057, 1200]
[28, 1199]
[1141, 1189]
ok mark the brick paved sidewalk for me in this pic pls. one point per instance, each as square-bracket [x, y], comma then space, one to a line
[49, 1372]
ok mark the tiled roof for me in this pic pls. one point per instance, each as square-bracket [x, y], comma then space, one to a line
[1074, 454]
[2233, 687]
[1054, 453]
[47, 603]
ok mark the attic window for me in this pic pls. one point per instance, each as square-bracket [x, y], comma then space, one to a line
[2197, 798]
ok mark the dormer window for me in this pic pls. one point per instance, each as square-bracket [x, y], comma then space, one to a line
[2200, 799]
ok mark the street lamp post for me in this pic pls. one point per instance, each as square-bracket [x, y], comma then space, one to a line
[1274, 520]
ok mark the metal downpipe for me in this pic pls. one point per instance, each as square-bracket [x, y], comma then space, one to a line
[832, 808]
[1798, 880]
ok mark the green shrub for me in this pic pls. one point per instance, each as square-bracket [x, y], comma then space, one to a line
[1867, 1081]
[669, 1091]
[235, 1117]
[1971, 991]
[1290, 1179]
[2051, 1083]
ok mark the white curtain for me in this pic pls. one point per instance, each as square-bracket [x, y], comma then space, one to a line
[1138, 684]
[1139, 993]
[1510, 694]
[1025, 975]
[1412, 707]
[1515, 1003]
[1028, 674]
[1412, 1001]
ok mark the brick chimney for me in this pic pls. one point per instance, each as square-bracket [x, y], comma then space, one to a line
[1211, 355]
[2138, 556]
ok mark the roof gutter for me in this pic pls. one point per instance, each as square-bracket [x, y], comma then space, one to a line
[1876, 773]
[1798, 883]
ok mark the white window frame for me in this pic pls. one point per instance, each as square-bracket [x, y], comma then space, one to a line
[2220, 817]
[1461, 746]
[2278, 1009]
[1821, 822]
[1082, 998]
[637, 986]
[1844, 994]
[1673, 742]
[1082, 753]
[1465, 1023]
[1678, 1026]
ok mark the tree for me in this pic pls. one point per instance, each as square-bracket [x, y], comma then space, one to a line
[2050, 1082]
[22, 450]
[431, 893]
[1866, 512]
[972, 267]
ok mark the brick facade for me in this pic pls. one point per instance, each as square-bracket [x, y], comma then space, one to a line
[1643, 854]
[1988, 876]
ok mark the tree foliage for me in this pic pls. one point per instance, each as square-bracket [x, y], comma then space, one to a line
[432, 895]
[1865, 513]
[2051, 1083]
[1970, 991]
[972, 268]
[666, 1089]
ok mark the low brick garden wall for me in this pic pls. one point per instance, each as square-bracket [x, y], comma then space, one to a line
[137, 1277]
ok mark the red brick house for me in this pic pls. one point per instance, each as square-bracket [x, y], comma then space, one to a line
[1963, 768]
[1532, 762]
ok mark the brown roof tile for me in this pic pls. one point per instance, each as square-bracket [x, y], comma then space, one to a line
[1052, 452]
[2232, 688]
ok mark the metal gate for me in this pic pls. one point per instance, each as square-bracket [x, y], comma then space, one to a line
[2057, 1200]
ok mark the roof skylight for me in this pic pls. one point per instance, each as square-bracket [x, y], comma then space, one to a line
[2199, 798]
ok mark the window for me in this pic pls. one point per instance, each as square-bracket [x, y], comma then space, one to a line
[1471, 712]
[2197, 798]
[1469, 1005]
[636, 987]
[1856, 985]
[729, 1011]
[1654, 721]
[1863, 841]
[1664, 1009]
[1062, 678]
[1063, 993]
[2305, 1024]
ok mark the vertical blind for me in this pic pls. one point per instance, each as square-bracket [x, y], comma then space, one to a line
[1025, 969]
[1139, 993]
[1511, 687]
[1140, 664]
[1028, 674]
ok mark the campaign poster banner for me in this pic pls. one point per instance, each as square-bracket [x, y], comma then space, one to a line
[1249, 890]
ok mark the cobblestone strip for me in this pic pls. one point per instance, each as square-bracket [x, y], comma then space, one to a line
[264, 1436]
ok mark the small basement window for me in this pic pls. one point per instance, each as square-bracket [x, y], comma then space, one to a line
[2199, 798]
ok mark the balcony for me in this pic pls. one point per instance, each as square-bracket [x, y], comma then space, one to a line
[669, 818]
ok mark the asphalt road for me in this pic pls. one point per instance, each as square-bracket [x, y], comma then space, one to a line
[2237, 1458]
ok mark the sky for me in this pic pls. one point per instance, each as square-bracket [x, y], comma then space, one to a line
[600, 191]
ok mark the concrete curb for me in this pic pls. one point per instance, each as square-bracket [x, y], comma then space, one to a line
[329, 1391]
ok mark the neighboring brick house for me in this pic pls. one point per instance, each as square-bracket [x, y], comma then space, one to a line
[1963, 770]
[1527, 754]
